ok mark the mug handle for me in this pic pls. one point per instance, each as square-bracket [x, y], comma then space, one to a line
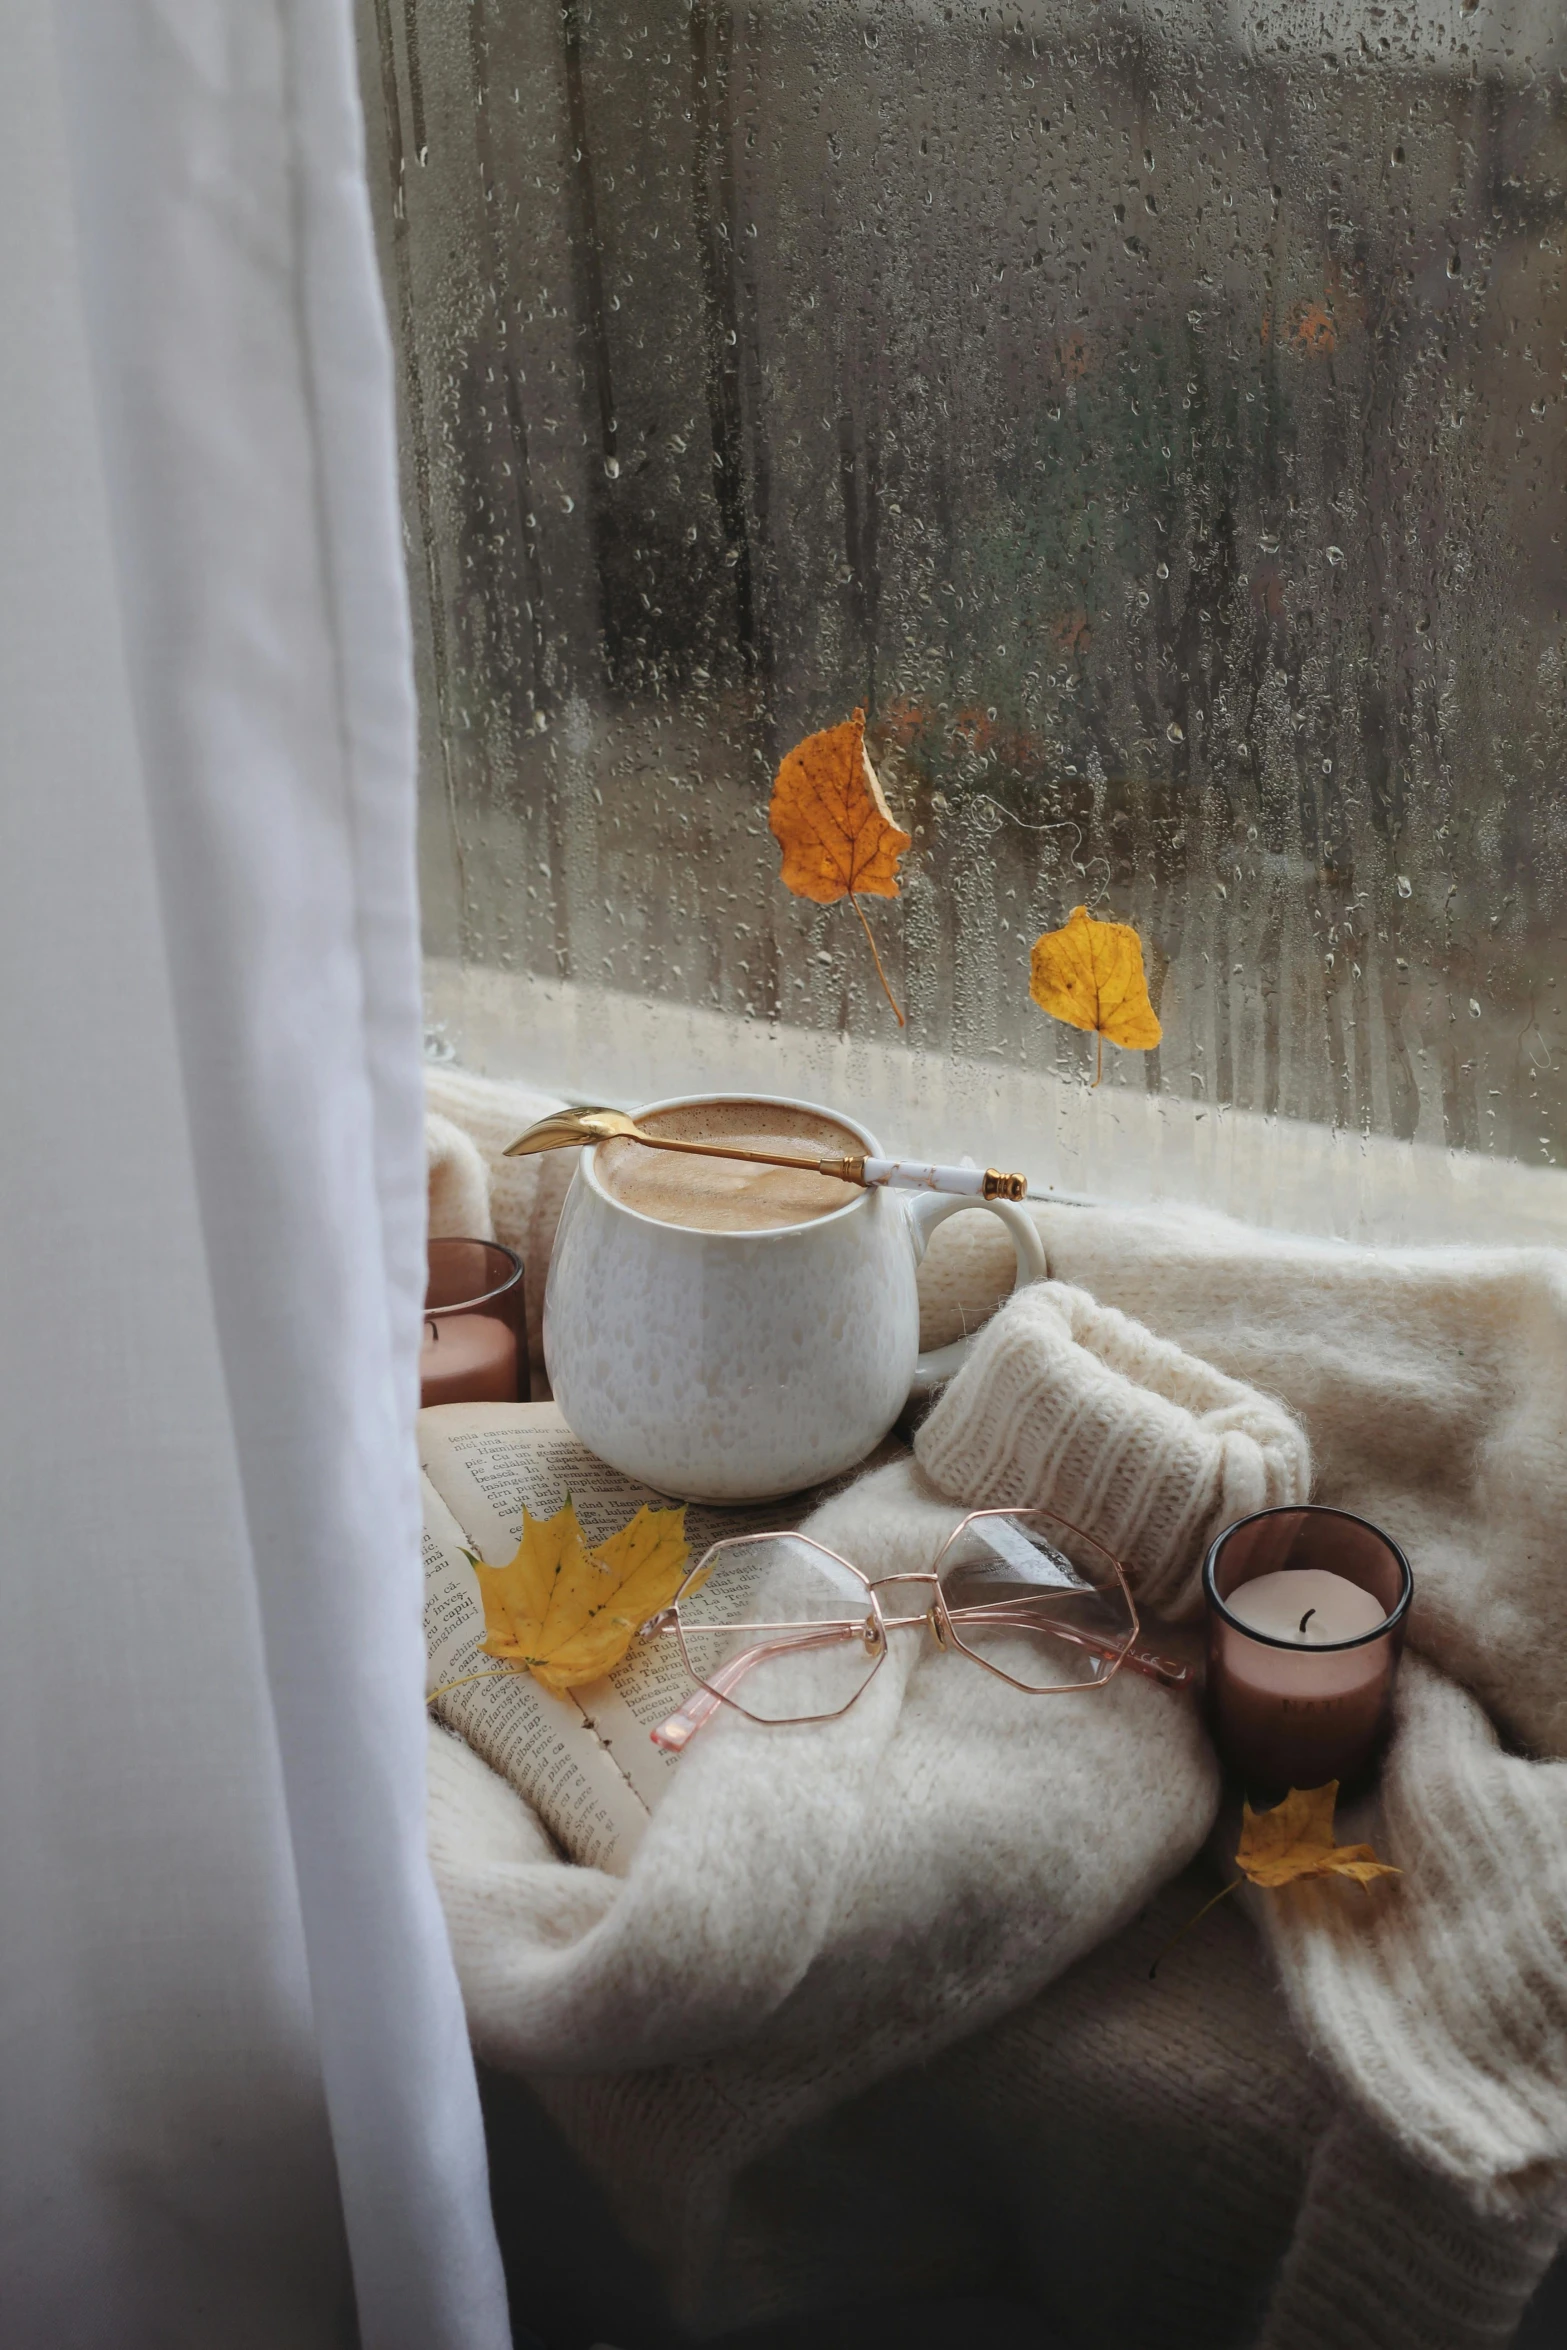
[930, 1208]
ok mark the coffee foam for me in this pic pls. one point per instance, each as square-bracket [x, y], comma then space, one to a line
[727, 1195]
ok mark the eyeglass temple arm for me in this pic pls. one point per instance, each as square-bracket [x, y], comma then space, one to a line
[675, 1735]
[1169, 1671]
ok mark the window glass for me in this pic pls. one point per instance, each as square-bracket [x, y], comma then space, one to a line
[1153, 416]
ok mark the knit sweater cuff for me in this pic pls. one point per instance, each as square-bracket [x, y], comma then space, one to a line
[1065, 1404]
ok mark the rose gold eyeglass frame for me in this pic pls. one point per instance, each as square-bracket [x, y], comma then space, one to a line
[946, 1625]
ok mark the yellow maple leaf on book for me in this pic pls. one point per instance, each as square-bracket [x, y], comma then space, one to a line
[566, 1613]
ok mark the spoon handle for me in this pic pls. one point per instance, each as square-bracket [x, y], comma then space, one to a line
[956, 1182]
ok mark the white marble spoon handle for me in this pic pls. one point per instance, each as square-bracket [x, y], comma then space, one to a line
[957, 1182]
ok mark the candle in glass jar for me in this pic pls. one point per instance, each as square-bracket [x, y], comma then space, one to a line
[475, 1341]
[467, 1358]
[1306, 1616]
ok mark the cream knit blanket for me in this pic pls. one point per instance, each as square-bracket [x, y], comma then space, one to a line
[798, 1925]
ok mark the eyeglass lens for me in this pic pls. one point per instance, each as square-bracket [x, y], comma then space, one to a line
[778, 1626]
[1035, 1601]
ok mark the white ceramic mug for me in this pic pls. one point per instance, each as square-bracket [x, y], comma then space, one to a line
[736, 1366]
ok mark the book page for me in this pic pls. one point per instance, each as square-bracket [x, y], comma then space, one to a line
[489, 1462]
[537, 1740]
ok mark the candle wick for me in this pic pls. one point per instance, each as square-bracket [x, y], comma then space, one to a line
[1305, 1620]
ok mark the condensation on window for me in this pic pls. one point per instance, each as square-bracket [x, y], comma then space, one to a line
[1153, 416]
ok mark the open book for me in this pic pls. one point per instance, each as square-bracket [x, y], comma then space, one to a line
[584, 1761]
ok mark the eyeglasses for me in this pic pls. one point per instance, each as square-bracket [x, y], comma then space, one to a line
[784, 1630]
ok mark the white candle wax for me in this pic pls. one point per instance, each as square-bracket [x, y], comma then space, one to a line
[1306, 1606]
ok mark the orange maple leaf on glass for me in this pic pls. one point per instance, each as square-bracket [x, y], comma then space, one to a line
[1090, 974]
[834, 827]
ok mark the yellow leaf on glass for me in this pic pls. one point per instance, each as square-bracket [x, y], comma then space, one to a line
[1295, 1839]
[832, 822]
[568, 1613]
[1090, 974]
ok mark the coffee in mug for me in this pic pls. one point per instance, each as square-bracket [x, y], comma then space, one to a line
[722, 1336]
[727, 1195]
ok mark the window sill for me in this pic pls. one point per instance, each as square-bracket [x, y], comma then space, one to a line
[1118, 1144]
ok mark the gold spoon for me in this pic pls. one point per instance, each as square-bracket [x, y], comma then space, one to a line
[571, 1129]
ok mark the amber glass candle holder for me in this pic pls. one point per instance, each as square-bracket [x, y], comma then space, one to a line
[475, 1336]
[1306, 1615]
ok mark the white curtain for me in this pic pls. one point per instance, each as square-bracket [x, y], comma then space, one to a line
[236, 2102]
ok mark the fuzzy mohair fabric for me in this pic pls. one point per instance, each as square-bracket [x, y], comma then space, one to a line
[1155, 2164]
[459, 1182]
[814, 1912]
[1433, 1387]
[815, 1906]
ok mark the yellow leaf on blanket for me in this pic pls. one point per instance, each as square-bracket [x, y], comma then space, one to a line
[1295, 1839]
[568, 1613]
[1090, 974]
